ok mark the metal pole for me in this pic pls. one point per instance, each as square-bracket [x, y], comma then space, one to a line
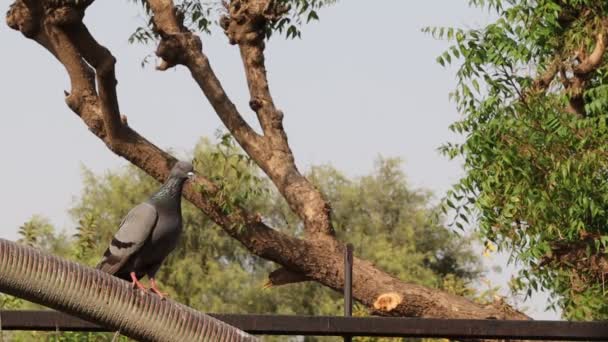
[348, 284]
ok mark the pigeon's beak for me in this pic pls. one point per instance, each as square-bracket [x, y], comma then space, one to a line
[190, 175]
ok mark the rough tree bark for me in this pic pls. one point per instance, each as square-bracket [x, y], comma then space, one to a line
[58, 27]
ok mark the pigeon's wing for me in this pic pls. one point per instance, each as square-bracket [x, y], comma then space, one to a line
[134, 230]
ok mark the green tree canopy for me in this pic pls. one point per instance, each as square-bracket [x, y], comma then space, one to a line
[533, 91]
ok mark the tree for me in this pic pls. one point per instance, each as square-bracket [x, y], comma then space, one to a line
[315, 252]
[533, 89]
[214, 273]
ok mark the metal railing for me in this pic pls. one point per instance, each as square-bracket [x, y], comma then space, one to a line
[348, 326]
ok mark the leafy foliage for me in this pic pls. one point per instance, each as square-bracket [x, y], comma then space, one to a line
[300, 12]
[200, 16]
[234, 173]
[379, 213]
[536, 170]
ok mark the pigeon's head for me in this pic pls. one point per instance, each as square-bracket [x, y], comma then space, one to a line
[183, 170]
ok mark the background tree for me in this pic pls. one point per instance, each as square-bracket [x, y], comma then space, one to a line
[314, 252]
[214, 273]
[533, 89]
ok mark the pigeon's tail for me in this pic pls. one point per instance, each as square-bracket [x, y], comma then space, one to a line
[109, 263]
[113, 265]
[104, 267]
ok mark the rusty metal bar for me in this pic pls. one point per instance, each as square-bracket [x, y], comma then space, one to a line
[353, 326]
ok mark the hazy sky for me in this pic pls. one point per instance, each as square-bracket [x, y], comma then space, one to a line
[362, 82]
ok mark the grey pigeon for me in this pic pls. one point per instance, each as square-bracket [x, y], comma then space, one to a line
[148, 233]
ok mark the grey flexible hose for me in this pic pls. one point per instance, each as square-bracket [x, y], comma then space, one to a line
[98, 297]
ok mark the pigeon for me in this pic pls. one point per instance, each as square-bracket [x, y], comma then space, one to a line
[148, 233]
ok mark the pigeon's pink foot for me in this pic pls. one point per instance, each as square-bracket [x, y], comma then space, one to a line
[154, 288]
[136, 283]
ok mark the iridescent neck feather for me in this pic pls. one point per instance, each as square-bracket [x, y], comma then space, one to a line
[169, 192]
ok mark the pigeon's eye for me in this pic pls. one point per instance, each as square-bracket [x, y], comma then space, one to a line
[190, 174]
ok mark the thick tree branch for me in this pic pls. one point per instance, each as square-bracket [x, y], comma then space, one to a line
[581, 72]
[542, 82]
[271, 152]
[283, 276]
[320, 260]
[102, 60]
[178, 46]
[245, 26]
[593, 61]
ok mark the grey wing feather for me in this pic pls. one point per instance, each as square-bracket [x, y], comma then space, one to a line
[134, 230]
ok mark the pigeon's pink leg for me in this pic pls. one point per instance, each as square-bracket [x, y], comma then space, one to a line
[136, 283]
[155, 289]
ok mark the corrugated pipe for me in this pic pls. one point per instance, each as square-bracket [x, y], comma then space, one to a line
[98, 297]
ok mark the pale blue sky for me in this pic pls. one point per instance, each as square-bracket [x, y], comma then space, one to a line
[362, 82]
